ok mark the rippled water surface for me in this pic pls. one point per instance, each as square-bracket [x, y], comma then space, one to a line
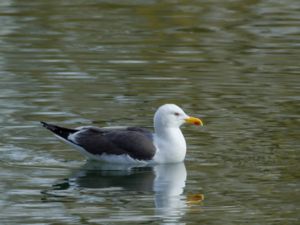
[233, 63]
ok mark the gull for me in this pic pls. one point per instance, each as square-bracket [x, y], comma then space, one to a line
[132, 144]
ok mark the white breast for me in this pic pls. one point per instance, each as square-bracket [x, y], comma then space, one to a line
[171, 146]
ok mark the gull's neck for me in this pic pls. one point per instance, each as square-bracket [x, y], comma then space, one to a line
[170, 144]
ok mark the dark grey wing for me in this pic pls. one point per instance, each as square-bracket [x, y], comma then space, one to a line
[135, 142]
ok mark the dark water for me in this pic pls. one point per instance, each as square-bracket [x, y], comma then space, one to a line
[233, 63]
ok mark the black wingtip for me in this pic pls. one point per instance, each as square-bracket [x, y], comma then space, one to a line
[60, 131]
[48, 126]
[43, 123]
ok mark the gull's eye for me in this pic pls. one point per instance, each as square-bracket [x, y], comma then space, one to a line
[176, 114]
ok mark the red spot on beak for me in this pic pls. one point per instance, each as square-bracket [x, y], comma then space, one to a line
[194, 120]
[197, 123]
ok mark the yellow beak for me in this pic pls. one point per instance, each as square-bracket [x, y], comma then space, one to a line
[194, 120]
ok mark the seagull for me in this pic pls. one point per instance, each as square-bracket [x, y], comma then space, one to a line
[132, 145]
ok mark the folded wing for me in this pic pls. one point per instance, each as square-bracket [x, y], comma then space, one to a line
[135, 142]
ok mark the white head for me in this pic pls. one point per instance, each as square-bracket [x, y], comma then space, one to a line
[172, 116]
[168, 138]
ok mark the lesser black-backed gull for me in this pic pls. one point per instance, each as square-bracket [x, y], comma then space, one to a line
[132, 144]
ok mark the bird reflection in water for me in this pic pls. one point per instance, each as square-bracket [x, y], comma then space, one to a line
[166, 181]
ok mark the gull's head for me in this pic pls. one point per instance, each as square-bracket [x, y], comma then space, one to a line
[172, 116]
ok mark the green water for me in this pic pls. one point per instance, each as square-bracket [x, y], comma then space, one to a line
[234, 63]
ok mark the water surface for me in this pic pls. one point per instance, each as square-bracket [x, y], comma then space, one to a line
[234, 63]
